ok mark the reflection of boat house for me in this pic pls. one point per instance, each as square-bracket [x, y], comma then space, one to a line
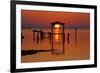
[57, 37]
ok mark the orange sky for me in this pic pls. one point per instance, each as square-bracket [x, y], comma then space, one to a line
[44, 18]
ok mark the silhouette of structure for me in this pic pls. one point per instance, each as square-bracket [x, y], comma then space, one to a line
[75, 35]
[68, 39]
[22, 37]
[58, 37]
[38, 35]
[37, 38]
[50, 36]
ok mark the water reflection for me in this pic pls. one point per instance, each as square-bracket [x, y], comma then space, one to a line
[55, 40]
[56, 34]
[57, 37]
[43, 50]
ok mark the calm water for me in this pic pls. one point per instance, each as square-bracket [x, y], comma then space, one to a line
[70, 49]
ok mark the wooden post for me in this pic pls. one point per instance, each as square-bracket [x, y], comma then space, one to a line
[33, 35]
[75, 35]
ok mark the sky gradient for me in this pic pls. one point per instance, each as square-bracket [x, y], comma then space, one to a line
[43, 19]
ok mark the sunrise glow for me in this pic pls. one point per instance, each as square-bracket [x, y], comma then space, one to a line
[57, 26]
